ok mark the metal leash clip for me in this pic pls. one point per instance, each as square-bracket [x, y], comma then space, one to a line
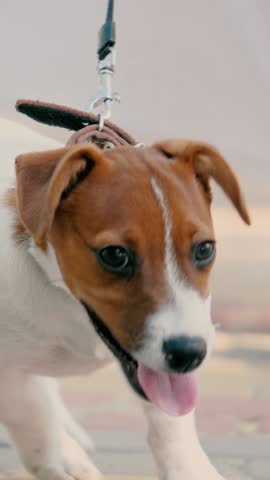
[102, 103]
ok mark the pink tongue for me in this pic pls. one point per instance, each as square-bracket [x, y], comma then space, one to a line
[175, 394]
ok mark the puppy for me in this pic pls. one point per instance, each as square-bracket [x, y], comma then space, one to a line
[108, 249]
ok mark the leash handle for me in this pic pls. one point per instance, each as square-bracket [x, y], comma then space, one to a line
[102, 103]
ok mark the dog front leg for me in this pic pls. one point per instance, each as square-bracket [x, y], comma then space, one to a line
[176, 447]
[29, 409]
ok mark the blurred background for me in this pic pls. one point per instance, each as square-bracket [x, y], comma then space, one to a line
[185, 68]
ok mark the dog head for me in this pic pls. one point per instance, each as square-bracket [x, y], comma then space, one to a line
[132, 232]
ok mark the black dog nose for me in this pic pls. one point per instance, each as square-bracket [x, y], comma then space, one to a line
[184, 354]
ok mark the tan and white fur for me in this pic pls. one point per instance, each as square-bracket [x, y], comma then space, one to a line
[156, 199]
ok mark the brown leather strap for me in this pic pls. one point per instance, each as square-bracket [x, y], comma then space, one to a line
[85, 124]
[106, 138]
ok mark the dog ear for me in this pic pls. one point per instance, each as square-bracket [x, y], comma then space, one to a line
[44, 179]
[207, 163]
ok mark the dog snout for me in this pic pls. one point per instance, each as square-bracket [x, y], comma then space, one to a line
[183, 354]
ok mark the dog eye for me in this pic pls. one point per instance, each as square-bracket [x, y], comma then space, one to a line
[203, 253]
[116, 259]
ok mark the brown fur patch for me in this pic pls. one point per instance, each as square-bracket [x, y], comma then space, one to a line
[43, 179]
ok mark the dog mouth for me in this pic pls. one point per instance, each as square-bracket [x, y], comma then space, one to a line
[176, 393]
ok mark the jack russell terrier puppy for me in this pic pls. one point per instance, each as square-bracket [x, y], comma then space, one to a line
[108, 249]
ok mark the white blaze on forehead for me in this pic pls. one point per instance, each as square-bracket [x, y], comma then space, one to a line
[185, 312]
[171, 269]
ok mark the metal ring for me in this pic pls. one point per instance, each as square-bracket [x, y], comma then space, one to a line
[108, 146]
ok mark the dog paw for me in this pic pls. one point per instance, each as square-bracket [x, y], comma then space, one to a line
[74, 465]
[192, 472]
[50, 472]
[190, 475]
[71, 472]
[77, 463]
